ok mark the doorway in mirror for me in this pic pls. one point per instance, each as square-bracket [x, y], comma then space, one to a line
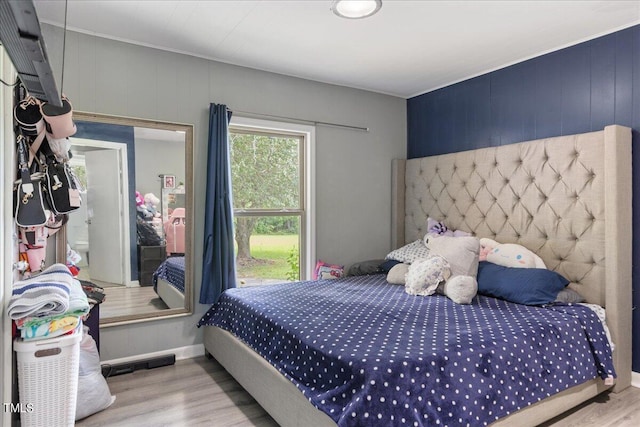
[101, 167]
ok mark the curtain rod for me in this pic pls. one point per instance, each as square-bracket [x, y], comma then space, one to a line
[293, 119]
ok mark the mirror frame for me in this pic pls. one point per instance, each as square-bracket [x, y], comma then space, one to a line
[61, 242]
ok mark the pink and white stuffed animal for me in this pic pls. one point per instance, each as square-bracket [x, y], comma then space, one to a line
[141, 208]
[486, 246]
[509, 255]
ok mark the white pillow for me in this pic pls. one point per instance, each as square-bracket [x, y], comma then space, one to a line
[424, 275]
[409, 252]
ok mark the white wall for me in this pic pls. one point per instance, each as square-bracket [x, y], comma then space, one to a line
[154, 158]
[353, 169]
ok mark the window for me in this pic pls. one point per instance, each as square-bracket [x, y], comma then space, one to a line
[272, 199]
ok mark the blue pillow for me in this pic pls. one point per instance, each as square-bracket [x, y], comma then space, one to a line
[386, 266]
[529, 286]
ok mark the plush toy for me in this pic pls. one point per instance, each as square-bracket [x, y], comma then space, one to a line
[450, 269]
[141, 208]
[461, 253]
[424, 275]
[151, 201]
[460, 289]
[435, 227]
[486, 246]
[397, 275]
[509, 255]
[325, 270]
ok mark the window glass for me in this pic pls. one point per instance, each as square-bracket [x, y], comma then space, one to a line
[267, 176]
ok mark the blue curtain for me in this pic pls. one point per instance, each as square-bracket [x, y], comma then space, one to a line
[218, 266]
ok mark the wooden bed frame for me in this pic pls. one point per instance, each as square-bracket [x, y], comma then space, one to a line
[566, 198]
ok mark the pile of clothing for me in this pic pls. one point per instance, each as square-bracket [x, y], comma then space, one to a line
[95, 294]
[48, 304]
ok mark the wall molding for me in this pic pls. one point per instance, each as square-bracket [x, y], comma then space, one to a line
[186, 352]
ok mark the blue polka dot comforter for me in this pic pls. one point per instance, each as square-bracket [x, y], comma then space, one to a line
[368, 354]
[171, 270]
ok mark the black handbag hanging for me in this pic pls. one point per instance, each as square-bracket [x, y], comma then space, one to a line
[61, 189]
[28, 201]
[28, 117]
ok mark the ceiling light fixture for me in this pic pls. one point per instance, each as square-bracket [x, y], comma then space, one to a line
[355, 9]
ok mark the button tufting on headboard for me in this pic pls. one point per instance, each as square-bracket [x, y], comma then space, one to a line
[547, 195]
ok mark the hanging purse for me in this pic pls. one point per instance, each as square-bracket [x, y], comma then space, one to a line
[59, 120]
[61, 188]
[28, 116]
[33, 242]
[55, 223]
[29, 205]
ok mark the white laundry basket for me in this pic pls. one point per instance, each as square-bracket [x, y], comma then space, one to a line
[48, 380]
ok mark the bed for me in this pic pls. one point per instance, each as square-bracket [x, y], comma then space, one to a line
[548, 195]
[168, 281]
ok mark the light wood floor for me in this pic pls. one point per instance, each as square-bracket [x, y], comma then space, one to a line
[193, 392]
[199, 392]
[122, 301]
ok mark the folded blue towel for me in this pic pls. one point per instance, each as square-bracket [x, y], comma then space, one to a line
[45, 294]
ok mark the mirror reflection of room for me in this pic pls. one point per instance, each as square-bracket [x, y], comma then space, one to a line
[134, 219]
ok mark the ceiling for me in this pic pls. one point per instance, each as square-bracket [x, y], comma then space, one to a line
[408, 48]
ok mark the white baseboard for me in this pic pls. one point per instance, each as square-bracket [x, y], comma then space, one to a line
[635, 379]
[186, 352]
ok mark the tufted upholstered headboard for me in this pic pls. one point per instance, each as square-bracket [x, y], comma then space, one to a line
[566, 198]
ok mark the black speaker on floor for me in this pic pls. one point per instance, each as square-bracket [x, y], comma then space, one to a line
[128, 367]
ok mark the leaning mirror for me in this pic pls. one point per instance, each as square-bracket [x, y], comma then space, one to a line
[133, 235]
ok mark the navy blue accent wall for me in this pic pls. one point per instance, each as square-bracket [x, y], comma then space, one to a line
[125, 135]
[574, 90]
